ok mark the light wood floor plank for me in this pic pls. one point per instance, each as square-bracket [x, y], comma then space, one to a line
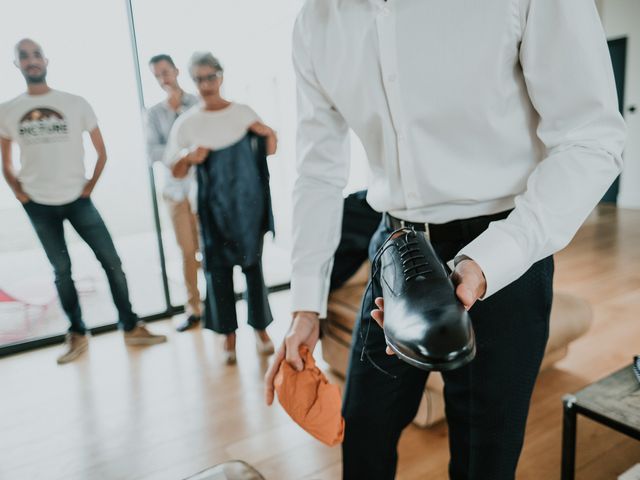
[169, 411]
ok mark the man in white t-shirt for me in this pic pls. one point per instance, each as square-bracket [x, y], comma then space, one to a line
[48, 126]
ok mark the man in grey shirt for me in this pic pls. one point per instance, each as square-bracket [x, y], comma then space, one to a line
[176, 191]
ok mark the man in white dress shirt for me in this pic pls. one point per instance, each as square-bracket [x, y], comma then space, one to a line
[497, 125]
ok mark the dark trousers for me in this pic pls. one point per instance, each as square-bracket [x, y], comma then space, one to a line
[487, 401]
[220, 304]
[48, 222]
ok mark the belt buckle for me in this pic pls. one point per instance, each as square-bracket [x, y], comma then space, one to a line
[403, 224]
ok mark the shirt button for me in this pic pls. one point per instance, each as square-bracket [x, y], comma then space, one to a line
[392, 77]
[385, 11]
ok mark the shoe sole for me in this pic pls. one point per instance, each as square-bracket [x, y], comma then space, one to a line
[436, 365]
[143, 342]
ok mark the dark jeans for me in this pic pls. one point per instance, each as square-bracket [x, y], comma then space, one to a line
[487, 401]
[48, 223]
[220, 304]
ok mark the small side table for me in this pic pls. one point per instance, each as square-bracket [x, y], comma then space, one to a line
[613, 401]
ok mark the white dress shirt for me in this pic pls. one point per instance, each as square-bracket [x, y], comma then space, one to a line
[464, 108]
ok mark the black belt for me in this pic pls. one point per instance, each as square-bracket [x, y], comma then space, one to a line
[456, 230]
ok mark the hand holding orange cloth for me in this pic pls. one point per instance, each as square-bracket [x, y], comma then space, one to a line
[310, 400]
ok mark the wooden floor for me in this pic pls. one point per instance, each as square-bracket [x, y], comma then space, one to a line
[169, 411]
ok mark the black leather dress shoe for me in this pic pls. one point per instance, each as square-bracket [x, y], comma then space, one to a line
[424, 323]
[192, 321]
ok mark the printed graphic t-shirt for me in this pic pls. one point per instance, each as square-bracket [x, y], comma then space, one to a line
[48, 129]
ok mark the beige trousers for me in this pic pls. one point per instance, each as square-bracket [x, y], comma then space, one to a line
[185, 226]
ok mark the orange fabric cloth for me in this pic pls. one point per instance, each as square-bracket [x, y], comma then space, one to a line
[310, 400]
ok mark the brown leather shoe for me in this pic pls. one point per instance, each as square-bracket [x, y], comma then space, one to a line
[75, 345]
[140, 335]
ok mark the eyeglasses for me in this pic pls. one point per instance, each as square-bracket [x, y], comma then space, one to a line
[207, 78]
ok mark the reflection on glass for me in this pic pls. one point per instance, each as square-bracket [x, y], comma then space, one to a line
[90, 54]
[227, 143]
[255, 48]
[253, 40]
[177, 193]
[90, 58]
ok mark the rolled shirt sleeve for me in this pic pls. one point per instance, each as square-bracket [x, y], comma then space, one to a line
[322, 174]
[569, 79]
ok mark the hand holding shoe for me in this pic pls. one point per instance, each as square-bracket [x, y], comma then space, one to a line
[378, 316]
[468, 280]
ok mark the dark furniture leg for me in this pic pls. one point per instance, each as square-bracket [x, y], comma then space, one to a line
[568, 438]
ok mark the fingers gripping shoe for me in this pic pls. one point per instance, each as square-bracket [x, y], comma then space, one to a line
[424, 323]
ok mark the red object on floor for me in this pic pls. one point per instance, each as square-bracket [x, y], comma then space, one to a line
[5, 297]
[31, 310]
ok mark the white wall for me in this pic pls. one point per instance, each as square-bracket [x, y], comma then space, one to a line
[622, 18]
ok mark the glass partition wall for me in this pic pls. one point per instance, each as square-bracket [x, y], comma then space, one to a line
[100, 50]
[91, 58]
[252, 40]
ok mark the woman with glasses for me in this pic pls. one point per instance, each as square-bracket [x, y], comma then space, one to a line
[228, 144]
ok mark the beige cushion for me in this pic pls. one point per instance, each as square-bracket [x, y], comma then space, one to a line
[571, 317]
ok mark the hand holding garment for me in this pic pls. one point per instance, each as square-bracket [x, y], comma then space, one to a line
[310, 400]
[234, 203]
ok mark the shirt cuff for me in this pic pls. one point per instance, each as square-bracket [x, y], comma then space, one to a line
[500, 258]
[309, 294]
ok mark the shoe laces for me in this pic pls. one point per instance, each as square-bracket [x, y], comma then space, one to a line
[414, 264]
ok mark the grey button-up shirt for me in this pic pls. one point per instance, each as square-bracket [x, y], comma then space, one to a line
[160, 119]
